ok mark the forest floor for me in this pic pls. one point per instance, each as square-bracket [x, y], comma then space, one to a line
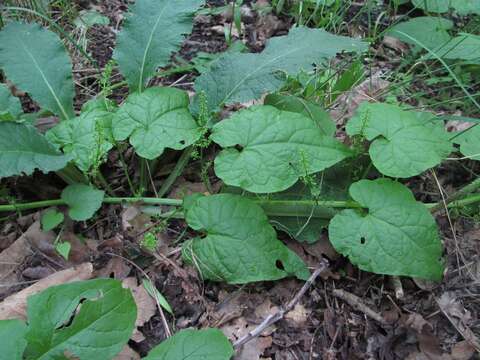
[346, 313]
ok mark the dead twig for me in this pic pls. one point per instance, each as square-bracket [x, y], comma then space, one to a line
[273, 318]
[168, 333]
[357, 303]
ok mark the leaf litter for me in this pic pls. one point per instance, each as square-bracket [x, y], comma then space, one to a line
[321, 326]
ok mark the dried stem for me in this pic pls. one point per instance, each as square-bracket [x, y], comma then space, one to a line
[272, 319]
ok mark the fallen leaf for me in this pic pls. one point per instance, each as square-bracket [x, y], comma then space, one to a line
[15, 306]
[116, 268]
[127, 353]
[13, 256]
[298, 316]
[146, 306]
[37, 272]
[347, 103]
[462, 351]
[459, 317]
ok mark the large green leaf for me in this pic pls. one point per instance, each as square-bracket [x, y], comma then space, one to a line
[277, 148]
[304, 107]
[243, 77]
[427, 30]
[240, 246]
[12, 339]
[155, 119]
[98, 331]
[9, 104]
[405, 143]
[151, 33]
[208, 344]
[36, 61]
[462, 47]
[23, 149]
[83, 201]
[86, 137]
[469, 143]
[463, 7]
[397, 236]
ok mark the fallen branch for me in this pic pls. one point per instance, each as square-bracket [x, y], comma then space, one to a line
[273, 318]
[357, 303]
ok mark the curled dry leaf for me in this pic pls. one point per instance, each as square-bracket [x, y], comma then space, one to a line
[15, 306]
[146, 306]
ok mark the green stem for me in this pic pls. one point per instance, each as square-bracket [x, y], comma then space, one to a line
[71, 175]
[271, 207]
[176, 172]
[470, 188]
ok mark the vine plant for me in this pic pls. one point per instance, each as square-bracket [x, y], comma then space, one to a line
[268, 152]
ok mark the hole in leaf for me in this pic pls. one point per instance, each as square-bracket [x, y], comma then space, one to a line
[239, 147]
[362, 240]
[182, 142]
[279, 265]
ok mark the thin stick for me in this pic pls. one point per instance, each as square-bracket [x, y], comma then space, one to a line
[168, 333]
[272, 319]
[357, 303]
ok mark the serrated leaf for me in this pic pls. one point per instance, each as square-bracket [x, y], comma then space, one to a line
[307, 108]
[469, 143]
[152, 31]
[243, 77]
[397, 236]
[240, 246]
[41, 67]
[156, 119]
[51, 219]
[23, 149]
[13, 343]
[9, 104]
[98, 331]
[427, 30]
[208, 344]
[463, 7]
[277, 147]
[405, 143]
[83, 201]
[86, 137]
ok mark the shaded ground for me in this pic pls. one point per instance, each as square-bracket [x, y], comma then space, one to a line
[416, 320]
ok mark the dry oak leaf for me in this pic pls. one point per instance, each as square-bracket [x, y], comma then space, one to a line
[146, 306]
[15, 306]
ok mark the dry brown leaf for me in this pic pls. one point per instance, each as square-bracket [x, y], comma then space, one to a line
[13, 256]
[37, 272]
[146, 306]
[79, 251]
[127, 353]
[116, 267]
[462, 351]
[253, 349]
[134, 221]
[298, 316]
[15, 306]
[459, 317]
[346, 104]
[395, 44]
